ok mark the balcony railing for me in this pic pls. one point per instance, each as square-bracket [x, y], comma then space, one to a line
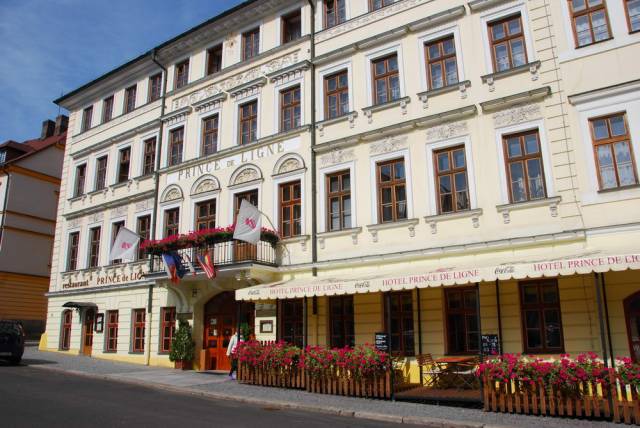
[224, 253]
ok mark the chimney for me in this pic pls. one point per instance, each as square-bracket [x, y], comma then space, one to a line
[62, 121]
[48, 127]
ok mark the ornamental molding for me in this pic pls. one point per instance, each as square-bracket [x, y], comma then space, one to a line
[245, 174]
[389, 144]
[171, 193]
[72, 224]
[447, 131]
[337, 156]
[207, 183]
[517, 114]
[144, 205]
[290, 73]
[234, 81]
[354, 23]
[97, 217]
[119, 211]
[288, 163]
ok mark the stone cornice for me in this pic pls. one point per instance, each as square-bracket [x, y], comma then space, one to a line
[116, 138]
[111, 204]
[511, 100]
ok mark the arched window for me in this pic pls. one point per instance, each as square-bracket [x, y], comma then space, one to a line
[65, 334]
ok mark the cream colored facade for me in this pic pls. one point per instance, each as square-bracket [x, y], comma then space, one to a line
[554, 92]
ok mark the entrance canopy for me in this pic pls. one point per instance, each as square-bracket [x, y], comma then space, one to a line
[458, 275]
[80, 305]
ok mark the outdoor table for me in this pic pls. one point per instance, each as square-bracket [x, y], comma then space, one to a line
[455, 371]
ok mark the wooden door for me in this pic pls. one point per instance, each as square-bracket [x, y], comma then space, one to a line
[632, 317]
[87, 340]
[243, 250]
[218, 332]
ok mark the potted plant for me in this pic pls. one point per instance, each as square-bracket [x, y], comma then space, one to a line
[182, 346]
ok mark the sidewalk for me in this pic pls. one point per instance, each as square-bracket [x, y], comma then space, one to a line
[218, 386]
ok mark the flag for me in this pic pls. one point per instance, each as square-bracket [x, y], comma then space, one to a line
[125, 246]
[206, 262]
[248, 223]
[192, 268]
[173, 266]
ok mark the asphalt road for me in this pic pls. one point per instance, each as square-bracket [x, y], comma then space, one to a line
[31, 397]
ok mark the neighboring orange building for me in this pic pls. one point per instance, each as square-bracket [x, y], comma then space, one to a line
[29, 189]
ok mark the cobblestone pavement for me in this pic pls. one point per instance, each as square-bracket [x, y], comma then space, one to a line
[218, 386]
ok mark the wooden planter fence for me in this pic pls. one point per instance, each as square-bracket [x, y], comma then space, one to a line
[614, 402]
[331, 382]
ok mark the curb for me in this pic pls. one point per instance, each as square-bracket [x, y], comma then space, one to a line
[379, 417]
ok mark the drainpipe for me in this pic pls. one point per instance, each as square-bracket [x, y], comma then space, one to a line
[601, 321]
[314, 191]
[606, 318]
[154, 213]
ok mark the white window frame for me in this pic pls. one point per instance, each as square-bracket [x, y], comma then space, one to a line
[74, 178]
[116, 170]
[322, 194]
[236, 117]
[173, 74]
[95, 170]
[434, 35]
[163, 210]
[276, 94]
[201, 117]
[320, 16]
[380, 53]
[140, 151]
[327, 71]
[217, 42]
[288, 178]
[167, 134]
[87, 244]
[215, 195]
[544, 150]
[432, 194]
[496, 14]
[260, 25]
[374, 160]
[287, 11]
[66, 249]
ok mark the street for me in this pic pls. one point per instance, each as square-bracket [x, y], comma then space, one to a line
[30, 397]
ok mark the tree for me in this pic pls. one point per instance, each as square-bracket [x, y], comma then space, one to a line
[182, 345]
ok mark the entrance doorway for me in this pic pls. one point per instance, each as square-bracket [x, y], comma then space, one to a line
[220, 319]
[87, 334]
[632, 317]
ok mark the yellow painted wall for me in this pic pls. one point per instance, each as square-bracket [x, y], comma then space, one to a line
[620, 285]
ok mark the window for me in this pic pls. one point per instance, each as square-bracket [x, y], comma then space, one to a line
[171, 222]
[149, 156]
[182, 74]
[338, 201]
[290, 209]
[334, 13]
[379, 4]
[292, 325]
[86, 118]
[214, 59]
[290, 108]
[525, 173]
[210, 135]
[111, 340]
[541, 320]
[291, 26]
[590, 22]
[508, 49]
[250, 43]
[402, 334]
[632, 7]
[251, 196]
[72, 252]
[115, 228]
[81, 175]
[176, 140]
[336, 94]
[107, 109]
[144, 230]
[101, 173]
[451, 180]
[613, 152]
[130, 99]
[442, 67]
[386, 81]
[123, 165]
[249, 122]
[3, 156]
[138, 330]
[392, 192]
[167, 328]
[206, 215]
[341, 321]
[155, 87]
[461, 312]
[94, 247]
[65, 334]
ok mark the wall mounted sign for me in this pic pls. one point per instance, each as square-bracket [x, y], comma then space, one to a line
[382, 342]
[266, 326]
[104, 279]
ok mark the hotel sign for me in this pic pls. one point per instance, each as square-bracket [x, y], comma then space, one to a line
[104, 279]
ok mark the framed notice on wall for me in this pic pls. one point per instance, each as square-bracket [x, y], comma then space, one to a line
[99, 324]
[266, 326]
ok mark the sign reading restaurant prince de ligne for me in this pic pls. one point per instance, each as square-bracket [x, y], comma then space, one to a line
[236, 160]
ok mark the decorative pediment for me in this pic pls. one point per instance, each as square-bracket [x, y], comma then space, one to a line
[447, 131]
[207, 183]
[171, 193]
[245, 174]
[337, 156]
[389, 144]
[288, 163]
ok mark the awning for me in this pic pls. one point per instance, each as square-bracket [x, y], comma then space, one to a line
[406, 280]
[80, 305]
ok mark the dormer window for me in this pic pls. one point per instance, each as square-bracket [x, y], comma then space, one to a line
[182, 74]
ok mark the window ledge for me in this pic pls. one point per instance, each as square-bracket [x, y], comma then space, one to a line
[402, 102]
[532, 67]
[121, 184]
[351, 117]
[301, 239]
[143, 177]
[354, 232]
[77, 198]
[552, 203]
[409, 224]
[478, 5]
[433, 220]
[620, 188]
[461, 86]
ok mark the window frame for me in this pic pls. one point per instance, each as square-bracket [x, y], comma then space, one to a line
[452, 172]
[254, 33]
[628, 16]
[130, 95]
[523, 159]
[66, 325]
[149, 156]
[115, 228]
[339, 19]
[143, 233]
[292, 107]
[284, 31]
[401, 318]
[205, 221]
[250, 119]
[463, 312]
[238, 196]
[338, 92]
[170, 324]
[209, 60]
[296, 317]
[79, 187]
[442, 60]
[94, 247]
[101, 172]
[291, 203]
[503, 20]
[181, 74]
[344, 318]
[340, 194]
[153, 95]
[177, 159]
[107, 113]
[386, 76]
[138, 325]
[540, 307]
[124, 162]
[87, 118]
[588, 12]
[73, 250]
[213, 132]
[111, 331]
[168, 227]
[372, 7]
[393, 183]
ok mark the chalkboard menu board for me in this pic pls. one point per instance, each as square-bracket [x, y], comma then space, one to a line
[382, 342]
[490, 344]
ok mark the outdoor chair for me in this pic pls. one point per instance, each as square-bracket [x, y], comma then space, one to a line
[463, 375]
[430, 370]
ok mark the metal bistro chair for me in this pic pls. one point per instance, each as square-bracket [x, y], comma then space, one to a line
[430, 370]
[464, 374]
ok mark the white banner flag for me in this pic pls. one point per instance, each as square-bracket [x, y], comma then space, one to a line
[248, 223]
[125, 246]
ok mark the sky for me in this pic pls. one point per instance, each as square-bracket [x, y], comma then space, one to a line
[50, 47]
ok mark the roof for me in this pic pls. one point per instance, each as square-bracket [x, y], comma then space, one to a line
[31, 147]
[151, 52]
